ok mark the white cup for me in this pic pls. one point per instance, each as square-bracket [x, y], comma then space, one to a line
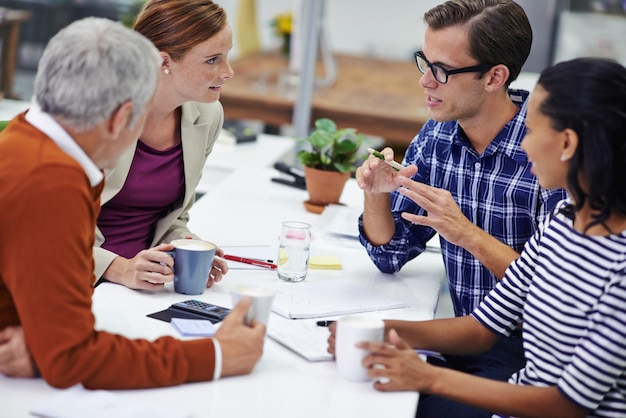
[262, 299]
[351, 330]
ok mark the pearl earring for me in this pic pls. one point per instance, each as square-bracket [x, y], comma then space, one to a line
[563, 158]
[166, 71]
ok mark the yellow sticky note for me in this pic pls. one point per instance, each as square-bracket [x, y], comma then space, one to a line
[316, 262]
[324, 262]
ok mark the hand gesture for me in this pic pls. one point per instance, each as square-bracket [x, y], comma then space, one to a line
[444, 215]
[376, 176]
[242, 345]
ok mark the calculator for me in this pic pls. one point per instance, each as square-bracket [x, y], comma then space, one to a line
[215, 313]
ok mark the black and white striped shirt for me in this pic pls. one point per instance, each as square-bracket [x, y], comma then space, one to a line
[570, 289]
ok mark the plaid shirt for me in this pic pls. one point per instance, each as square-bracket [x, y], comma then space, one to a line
[495, 191]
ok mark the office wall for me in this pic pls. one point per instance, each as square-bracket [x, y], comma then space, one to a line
[391, 29]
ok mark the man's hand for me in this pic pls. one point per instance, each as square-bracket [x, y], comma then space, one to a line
[444, 215]
[15, 360]
[377, 179]
[242, 345]
[376, 176]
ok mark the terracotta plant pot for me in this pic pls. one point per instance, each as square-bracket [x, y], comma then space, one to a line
[324, 187]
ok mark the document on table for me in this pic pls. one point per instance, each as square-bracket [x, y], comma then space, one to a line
[340, 224]
[331, 298]
[339, 220]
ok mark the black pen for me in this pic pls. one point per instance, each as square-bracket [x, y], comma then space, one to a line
[324, 323]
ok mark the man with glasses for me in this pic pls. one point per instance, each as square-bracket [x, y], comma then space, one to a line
[465, 176]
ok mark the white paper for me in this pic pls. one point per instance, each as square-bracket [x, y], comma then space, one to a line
[193, 327]
[78, 402]
[340, 220]
[322, 299]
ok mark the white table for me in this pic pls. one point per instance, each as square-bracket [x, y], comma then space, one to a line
[246, 208]
[262, 153]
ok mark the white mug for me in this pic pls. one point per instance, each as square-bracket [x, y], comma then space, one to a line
[351, 330]
[262, 299]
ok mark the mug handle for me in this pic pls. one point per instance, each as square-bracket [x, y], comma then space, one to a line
[171, 254]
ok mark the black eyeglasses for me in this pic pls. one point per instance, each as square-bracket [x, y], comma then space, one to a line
[441, 74]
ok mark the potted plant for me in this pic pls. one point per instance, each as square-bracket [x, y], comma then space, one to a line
[329, 158]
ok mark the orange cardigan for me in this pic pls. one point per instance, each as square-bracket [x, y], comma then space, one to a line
[47, 222]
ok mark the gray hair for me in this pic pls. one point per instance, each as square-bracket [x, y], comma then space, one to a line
[93, 66]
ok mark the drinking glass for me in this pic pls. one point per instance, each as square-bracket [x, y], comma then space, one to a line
[293, 251]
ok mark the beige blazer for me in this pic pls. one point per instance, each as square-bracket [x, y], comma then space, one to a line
[201, 124]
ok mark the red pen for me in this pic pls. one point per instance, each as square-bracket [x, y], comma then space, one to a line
[252, 261]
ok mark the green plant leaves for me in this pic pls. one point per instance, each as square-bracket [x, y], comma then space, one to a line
[331, 149]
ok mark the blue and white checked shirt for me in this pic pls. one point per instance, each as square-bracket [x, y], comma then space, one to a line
[495, 191]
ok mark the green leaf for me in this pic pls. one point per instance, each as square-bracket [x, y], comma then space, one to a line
[331, 149]
[325, 124]
[346, 146]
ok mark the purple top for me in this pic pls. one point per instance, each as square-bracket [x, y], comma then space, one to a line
[155, 185]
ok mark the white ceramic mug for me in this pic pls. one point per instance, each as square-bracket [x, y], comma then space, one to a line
[353, 329]
[262, 299]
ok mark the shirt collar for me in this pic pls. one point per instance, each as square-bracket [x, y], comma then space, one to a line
[46, 124]
[508, 139]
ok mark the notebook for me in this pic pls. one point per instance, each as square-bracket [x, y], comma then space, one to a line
[330, 298]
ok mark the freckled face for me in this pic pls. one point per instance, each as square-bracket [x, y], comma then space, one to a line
[201, 73]
[543, 144]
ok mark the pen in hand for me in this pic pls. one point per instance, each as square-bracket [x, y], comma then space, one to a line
[394, 164]
[251, 261]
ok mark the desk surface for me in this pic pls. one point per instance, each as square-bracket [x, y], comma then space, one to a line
[246, 208]
[226, 158]
[377, 97]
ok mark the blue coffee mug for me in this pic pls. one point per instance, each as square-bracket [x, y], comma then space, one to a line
[193, 260]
